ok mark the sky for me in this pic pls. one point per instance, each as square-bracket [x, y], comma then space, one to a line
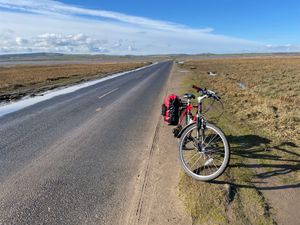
[143, 27]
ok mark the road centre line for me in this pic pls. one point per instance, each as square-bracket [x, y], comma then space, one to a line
[98, 109]
[102, 96]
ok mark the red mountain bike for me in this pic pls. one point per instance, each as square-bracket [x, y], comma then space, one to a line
[203, 148]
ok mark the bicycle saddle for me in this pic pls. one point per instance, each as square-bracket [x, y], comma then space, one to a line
[189, 96]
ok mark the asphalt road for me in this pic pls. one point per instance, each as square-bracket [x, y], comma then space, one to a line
[74, 159]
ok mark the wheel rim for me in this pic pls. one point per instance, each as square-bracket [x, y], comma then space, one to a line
[204, 161]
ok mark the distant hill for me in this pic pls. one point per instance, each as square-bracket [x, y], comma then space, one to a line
[30, 56]
[44, 56]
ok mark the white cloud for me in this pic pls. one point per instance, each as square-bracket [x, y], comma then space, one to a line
[282, 48]
[54, 8]
[46, 25]
[52, 42]
[21, 41]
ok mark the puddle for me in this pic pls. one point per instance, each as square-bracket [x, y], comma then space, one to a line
[241, 85]
[28, 101]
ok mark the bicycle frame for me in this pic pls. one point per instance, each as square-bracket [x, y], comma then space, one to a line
[198, 118]
[186, 112]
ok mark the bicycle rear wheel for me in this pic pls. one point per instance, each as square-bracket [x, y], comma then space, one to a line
[206, 157]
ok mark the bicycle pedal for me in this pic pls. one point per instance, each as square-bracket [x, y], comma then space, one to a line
[176, 131]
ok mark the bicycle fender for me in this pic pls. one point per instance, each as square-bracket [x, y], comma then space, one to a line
[183, 129]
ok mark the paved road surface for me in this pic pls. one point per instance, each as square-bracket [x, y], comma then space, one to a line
[74, 159]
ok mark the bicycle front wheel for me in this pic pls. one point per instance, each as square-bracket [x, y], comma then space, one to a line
[204, 156]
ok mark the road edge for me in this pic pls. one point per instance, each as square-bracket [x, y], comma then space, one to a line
[156, 199]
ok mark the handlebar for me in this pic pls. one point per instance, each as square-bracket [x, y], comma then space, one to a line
[199, 89]
[209, 93]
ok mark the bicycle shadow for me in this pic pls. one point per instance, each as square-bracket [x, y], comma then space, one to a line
[278, 160]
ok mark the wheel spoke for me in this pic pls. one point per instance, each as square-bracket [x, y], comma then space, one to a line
[205, 136]
[209, 160]
[196, 162]
[213, 139]
[192, 157]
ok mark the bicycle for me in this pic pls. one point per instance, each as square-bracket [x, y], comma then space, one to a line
[203, 148]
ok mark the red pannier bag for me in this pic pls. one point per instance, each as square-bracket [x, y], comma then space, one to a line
[170, 109]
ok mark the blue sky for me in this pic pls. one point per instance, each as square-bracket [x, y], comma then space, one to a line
[149, 27]
[260, 20]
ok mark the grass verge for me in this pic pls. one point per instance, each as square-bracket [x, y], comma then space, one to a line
[262, 130]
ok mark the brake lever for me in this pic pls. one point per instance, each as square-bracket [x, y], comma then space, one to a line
[218, 98]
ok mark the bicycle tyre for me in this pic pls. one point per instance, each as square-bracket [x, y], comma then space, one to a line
[183, 149]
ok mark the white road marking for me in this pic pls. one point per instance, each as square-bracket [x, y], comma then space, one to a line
[98, 109]
[18, 105]
[102, 96]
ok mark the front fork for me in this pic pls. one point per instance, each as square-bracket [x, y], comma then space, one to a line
[201, 125]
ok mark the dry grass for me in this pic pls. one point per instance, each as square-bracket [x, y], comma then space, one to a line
[31, 79]
[207, 203]
[271, 98]
[261, 123]
[212, 202]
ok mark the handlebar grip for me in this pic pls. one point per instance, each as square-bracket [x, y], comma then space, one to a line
[196, 87]
[209, 93]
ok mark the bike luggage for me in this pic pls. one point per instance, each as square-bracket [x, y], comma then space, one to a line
[170, 109]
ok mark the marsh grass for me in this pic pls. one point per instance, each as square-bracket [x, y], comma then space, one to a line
[271, 98]
[261, 122]
[208, 202]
